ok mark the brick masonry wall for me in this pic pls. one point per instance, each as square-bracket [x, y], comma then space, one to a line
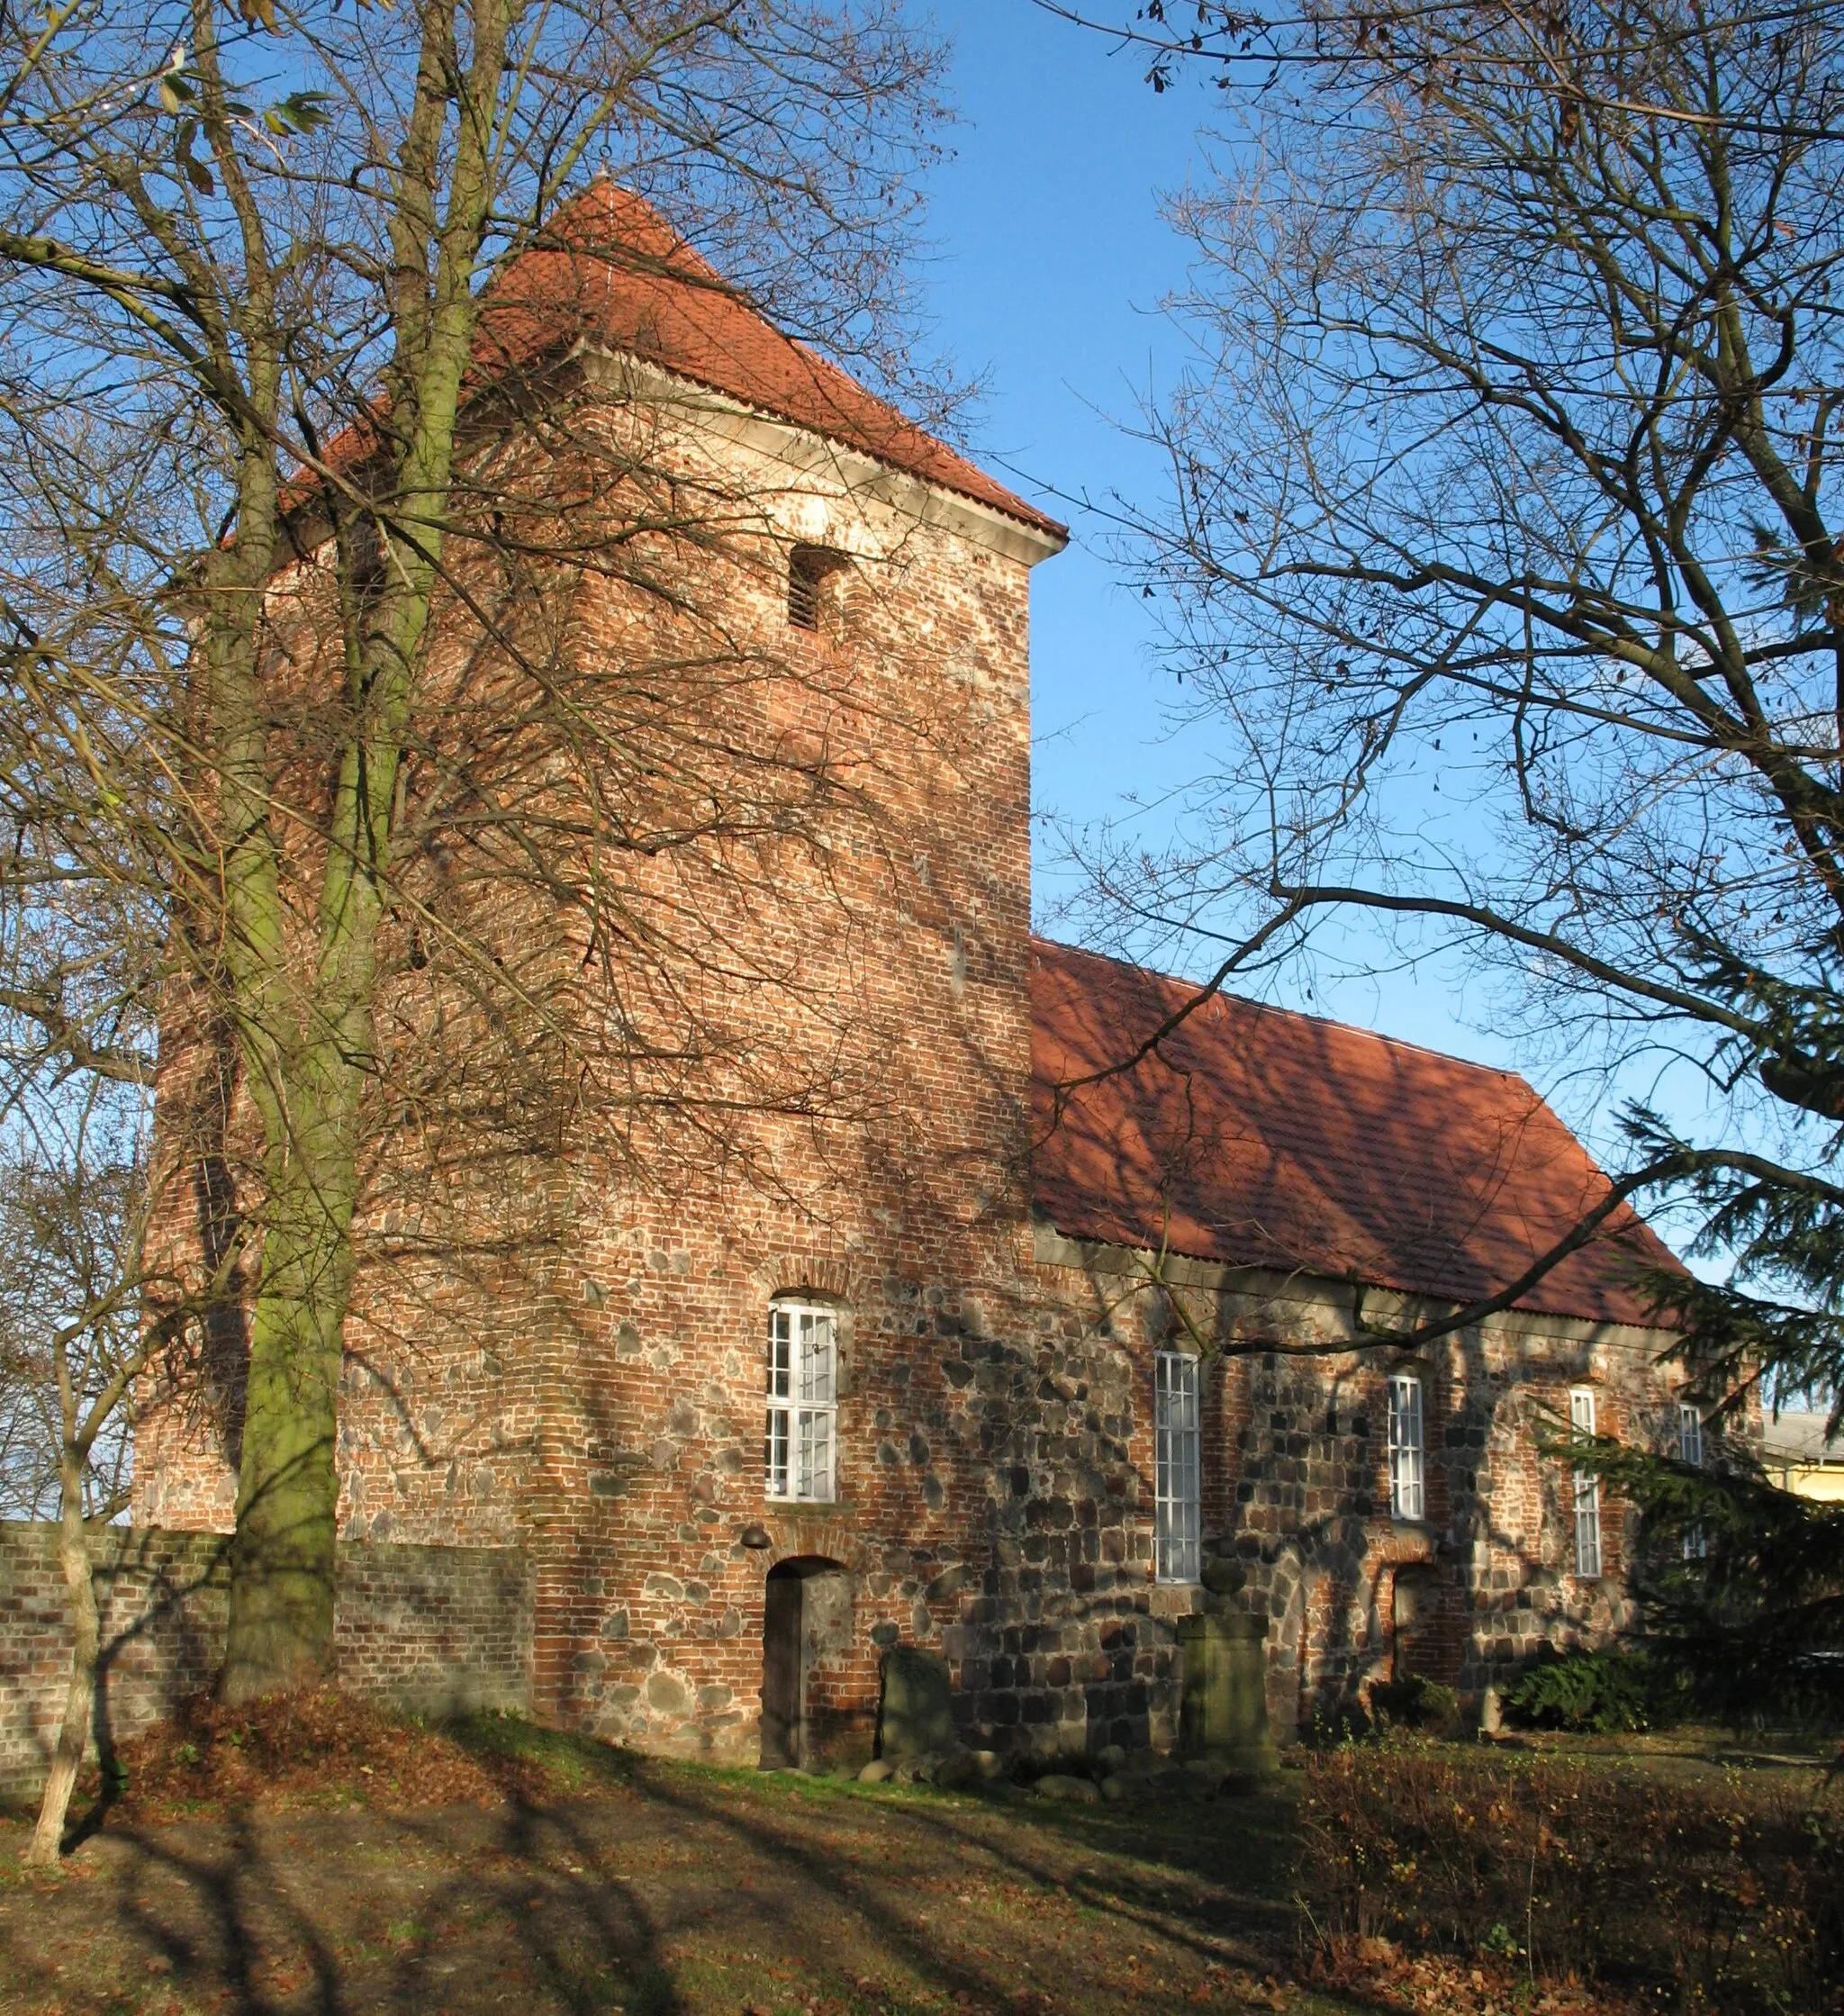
[577, 1367]
[163, 1598]
[437, 1629]
[430, 1628]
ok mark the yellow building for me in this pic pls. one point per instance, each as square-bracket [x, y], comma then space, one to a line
[1800, 1457]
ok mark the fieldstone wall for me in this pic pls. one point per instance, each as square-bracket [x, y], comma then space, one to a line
[567, 1350]
[1064, 1641]
[432, 1628]
[1298, 1526]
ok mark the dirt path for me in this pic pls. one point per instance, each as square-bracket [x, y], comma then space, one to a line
[687, 1891]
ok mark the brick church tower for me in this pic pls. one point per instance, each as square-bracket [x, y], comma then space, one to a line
[696, 1401]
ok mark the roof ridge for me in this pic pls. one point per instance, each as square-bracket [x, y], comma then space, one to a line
[1295, 1015]
[652, 281]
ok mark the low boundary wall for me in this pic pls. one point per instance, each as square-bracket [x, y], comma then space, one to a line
[437, 1629]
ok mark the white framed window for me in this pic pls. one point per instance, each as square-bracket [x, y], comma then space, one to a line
[1408, 1461]
[803, 1390]
[1588, 1490]
[1690, 1436]
[1176, 1495]
[1690, 1450]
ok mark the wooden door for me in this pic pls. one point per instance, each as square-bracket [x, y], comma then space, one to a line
[781, 1664]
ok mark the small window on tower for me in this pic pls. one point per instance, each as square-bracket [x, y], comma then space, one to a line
[816, 579]
[364, 542]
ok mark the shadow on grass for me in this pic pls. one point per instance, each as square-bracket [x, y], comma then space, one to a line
[670, 1890]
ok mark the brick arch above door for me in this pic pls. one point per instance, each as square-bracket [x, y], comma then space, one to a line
[819, 1532]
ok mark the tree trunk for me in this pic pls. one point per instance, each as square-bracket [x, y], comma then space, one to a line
[309, 1087]
[281, 1624]
[79, 1700]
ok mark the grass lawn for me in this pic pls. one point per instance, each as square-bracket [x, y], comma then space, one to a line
[338, 1862]
[651, 1887]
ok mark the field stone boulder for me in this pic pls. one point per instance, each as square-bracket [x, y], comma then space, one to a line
[914, 1714]
[957, 1768]
[1072, 1791]
[875, 1773]
[1224, 1577]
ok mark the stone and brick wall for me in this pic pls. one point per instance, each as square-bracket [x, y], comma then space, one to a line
[1296, 1501]
[575, 1367]
[429, 1628]
[594, 1394]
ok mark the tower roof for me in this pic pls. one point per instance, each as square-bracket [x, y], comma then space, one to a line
[607, 270]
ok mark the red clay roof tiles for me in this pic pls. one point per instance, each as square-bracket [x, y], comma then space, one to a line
[1258, 1137]
[607, 271]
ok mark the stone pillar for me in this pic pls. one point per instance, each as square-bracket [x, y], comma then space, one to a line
[1223, 1711]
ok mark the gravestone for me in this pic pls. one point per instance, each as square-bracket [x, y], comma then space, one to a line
[1223, 1712]
[916, 1715]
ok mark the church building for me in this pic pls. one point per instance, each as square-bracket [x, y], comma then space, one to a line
[1054, 1310]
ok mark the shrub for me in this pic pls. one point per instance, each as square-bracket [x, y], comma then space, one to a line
[1414, 1703]
[1726, 1896]
[1603, 1693]
[1348, 1723]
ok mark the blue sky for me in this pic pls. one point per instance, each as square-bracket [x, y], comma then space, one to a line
[1051, 261]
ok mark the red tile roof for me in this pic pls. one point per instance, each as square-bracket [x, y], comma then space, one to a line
[1263, 1138]
[609, 272]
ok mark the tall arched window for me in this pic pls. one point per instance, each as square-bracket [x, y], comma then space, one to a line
[1588, 1490]
[1690, 1450]
[1177, 1494]
[1407, 1448]
[803, 1387]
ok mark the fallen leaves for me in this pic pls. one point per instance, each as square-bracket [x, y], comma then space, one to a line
[1433, 1985]
[303, 1753]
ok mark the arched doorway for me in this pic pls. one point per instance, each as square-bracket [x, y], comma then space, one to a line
[806, 1622]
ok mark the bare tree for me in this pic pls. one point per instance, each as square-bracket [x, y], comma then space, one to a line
[1506, 578]
[313, 517]
[84, 1323]
[69, 1324]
